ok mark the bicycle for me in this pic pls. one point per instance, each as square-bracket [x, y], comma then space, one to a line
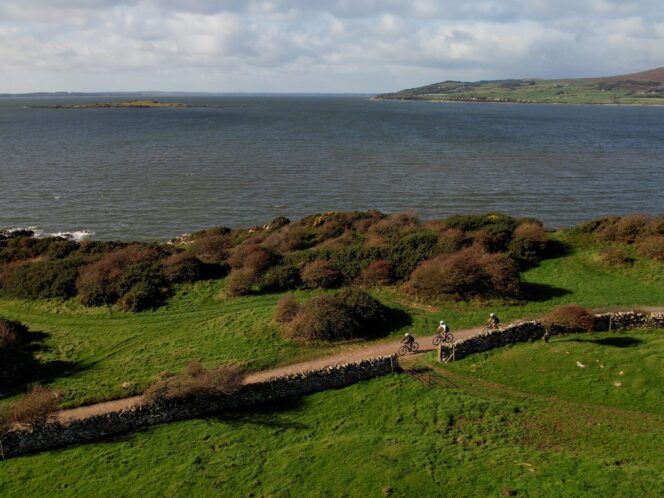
[408, 348]
[441, 337]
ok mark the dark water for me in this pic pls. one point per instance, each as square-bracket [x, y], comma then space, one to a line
[156, 173]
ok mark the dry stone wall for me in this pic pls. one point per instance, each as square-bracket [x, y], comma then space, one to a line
[55, 435]
[532, 330]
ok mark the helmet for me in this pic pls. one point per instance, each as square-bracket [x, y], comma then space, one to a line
[442, 322]
[492, 315]
[406, 334]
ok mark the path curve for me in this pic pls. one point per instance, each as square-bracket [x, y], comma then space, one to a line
[356, 354]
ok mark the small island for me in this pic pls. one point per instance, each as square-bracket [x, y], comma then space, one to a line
[134, 104]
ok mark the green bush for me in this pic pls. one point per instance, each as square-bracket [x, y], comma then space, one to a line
[280, 278]
[474, 222]
[405, 252]
[182, 267]
[42, 280]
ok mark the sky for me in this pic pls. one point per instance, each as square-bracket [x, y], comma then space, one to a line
[335, 46]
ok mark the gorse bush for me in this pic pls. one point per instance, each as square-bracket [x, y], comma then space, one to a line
[41, 280]
[528, 244]
[197, 383]
[241, 282]
[348, 314]
[471, 272]
[570, 318]
[376, 273]
[614, 256]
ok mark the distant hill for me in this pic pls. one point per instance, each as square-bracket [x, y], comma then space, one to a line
[644, 88]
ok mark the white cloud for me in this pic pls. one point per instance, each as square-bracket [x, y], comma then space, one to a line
[317, 45]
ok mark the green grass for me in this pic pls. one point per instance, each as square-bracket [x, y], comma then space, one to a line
[88, 353]
[483, 431]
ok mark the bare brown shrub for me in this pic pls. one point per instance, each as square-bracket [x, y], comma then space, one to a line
[251, 256]
[377, 273]
[321, 274]
[614, 256]
[287, 308]
[35, 407]
[395, 223]
[292, 237]
[626, 229]
[182, 267]
[212, 248]
[655, 226]
[196, 382]
[651, 247]
[471, 272]
[570, 317]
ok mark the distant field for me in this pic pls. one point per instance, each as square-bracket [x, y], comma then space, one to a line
[88, 353]
[521, 421]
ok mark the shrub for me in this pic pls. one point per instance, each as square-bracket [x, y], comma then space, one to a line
[322, 318]
[212, 246]
[240, 282]
[182, 267]
[251, 256]
[280, 278]
[474, 222]
[395, 223]
[42, 280]
[570, 318]
[35, 407]
[196, 382]
[451, 240]
[287, 308]
[377, 273]
[651, 247]
[471, 272]
[11, 333]
[614, 256]
[596, 225]
[369, 313]
[655, 226]
[404, 253]
[291, 238]
[105, 281]
[346, 315]
[493, 238]
[321, 274]
[142, 296]
[626, 229]
[351, 260]
[528, 244]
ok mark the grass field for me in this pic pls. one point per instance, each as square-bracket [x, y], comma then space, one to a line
[88, 353]
[523, 420]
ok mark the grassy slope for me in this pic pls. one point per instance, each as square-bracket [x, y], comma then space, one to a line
[106, 348]
[469, 436]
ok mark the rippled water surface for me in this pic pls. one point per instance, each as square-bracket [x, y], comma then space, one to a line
[157, 173]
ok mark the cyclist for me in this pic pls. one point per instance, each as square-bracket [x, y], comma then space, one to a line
[408, 340]
[443, 328]
[493, 321]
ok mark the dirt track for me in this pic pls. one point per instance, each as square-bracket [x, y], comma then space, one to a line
[355, 354]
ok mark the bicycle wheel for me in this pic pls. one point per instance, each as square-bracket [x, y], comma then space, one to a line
[415, 347]
[437, 340]
[449, 337]
[402, 350]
